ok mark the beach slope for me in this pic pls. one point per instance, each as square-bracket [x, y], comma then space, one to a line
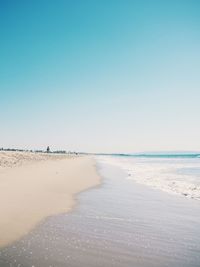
[37, 186]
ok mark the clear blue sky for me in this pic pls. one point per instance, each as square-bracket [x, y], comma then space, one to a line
[100, 75]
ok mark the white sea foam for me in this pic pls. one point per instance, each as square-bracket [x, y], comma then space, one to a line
[178, 176]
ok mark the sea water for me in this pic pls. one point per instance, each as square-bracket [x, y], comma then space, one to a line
[175, 174]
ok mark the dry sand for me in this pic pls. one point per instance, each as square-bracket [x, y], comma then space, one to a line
[35, 186]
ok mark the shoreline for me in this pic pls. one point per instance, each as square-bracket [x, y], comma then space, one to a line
[119, 223]
[32, 192]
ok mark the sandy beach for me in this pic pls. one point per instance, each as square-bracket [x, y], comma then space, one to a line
[34, 186]
[120, 223]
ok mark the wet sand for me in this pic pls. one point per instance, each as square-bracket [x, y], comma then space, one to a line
[119, 223]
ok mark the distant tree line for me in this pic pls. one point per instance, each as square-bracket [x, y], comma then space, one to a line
[39, 151]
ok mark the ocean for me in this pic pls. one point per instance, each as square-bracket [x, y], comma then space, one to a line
[173, 173]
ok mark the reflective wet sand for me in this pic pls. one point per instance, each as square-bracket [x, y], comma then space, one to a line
[119, 223]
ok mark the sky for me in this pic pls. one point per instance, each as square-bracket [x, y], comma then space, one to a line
[113, 76]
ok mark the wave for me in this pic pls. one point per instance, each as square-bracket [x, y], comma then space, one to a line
[172, 175]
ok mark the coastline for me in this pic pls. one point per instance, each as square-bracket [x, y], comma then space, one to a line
[120, 223]
[31, 192]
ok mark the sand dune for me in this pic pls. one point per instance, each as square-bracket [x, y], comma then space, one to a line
[34, 186]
